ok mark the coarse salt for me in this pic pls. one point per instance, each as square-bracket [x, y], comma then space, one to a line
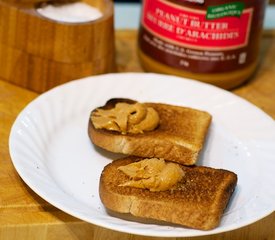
[76, 12]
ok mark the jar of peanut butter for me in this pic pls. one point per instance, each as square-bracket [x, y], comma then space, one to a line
[214, 41]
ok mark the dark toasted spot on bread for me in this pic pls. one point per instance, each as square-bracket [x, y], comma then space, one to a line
[197, 201]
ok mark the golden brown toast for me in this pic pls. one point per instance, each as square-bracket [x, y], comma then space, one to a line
[179, 136]
[197, 201]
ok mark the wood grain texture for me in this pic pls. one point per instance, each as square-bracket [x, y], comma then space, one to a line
[43, 53]
[24, 215]
[37, 1]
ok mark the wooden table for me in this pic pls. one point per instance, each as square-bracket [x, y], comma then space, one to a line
[24, 215]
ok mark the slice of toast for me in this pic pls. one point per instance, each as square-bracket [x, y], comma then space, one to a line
[179, 136]
[197, 201]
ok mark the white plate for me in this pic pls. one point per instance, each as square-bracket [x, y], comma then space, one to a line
[51, 151]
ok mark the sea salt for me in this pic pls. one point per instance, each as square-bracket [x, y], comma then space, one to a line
[76, 12]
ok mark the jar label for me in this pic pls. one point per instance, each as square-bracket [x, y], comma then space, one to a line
[211, 36]
[225, 26]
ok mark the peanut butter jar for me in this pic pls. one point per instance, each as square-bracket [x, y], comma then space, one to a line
[214, 41]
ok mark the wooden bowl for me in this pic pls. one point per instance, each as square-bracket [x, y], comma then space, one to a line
[41, 53]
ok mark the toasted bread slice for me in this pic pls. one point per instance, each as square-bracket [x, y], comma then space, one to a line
[197, 201]
[179, 136]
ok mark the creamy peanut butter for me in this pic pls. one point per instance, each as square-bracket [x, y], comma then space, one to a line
[153, 174]
[126, 118]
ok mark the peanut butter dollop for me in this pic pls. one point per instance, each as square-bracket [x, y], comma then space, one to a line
[126, 118]
[153, 174]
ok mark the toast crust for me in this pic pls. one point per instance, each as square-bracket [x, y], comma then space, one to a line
[197, 201]
[179, 137]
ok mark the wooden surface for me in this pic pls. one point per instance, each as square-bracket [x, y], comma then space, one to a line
[24, 215]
